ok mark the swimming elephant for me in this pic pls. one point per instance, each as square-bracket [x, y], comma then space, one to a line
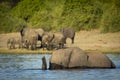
[68, 33]
[11, 43]
[53, 40]
[76, 58]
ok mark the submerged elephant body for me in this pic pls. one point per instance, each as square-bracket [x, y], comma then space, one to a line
[75, 58]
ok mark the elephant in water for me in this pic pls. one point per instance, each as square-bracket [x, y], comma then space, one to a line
[76, 58]
[68, 33]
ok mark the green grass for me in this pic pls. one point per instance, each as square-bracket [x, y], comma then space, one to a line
[23, 51]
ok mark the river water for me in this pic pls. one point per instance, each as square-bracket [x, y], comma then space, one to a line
[28, 67]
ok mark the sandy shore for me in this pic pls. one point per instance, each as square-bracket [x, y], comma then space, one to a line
[86, 40]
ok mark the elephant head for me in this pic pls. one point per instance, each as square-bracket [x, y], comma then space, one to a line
[52, 41]
[46, 39]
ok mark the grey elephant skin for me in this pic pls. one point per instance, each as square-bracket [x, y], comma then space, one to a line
[76, 58]
[53, 40]
[31, 36]
[11, 43]
[68, 33]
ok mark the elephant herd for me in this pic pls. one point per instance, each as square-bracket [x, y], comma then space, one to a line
[29, 39]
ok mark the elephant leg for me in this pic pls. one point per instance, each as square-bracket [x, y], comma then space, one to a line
[73, 40]
[10, 46]
[13, 46]
[65, 40]
[33, 47]
[14, 43]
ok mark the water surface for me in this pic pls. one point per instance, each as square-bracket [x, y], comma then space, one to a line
[28, 67]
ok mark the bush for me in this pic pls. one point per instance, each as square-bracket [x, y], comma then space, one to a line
[56, 14]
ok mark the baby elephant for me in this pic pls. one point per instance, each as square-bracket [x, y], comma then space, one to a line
[11, 43]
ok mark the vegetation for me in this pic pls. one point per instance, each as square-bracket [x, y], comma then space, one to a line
[55, 14]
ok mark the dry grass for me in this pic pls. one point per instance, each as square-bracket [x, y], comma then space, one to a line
[86, 40]
[94, 40]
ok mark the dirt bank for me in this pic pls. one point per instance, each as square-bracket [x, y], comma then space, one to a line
[86, 40]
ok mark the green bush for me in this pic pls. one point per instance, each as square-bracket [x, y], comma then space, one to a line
[110, 21]
[56, 14]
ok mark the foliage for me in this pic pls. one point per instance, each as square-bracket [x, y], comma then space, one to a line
[55, 14]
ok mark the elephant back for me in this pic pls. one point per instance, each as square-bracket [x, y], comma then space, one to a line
[76, 58]
[68, 32]
[99, 60]
[58, 38]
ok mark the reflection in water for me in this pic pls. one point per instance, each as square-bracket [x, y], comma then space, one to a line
[28, 67]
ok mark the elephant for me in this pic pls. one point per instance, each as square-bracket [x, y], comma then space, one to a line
[53, 40]
[44, 63]
[11, 43]
[47, 37]
[31, 42]
[68, 33]
[40, 33]
[29, 37]
[76, 58]
[58, 41]
[28, 33]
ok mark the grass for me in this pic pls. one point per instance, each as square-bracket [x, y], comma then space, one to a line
[23, 51]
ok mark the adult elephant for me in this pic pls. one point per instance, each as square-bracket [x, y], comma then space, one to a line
[68, 33]
[31, 43]
[40, 33]
[76, 58]
[29, 37]
[28, 34]
[53, 40]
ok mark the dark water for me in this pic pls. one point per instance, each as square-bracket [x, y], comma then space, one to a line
[28, 67]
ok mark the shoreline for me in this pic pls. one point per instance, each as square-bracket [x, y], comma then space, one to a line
[23, 51]
[40, 51]
[86, 40]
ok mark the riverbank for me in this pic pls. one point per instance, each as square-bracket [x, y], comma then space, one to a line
[86, 40]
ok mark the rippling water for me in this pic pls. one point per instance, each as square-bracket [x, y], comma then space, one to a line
[28, 67]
